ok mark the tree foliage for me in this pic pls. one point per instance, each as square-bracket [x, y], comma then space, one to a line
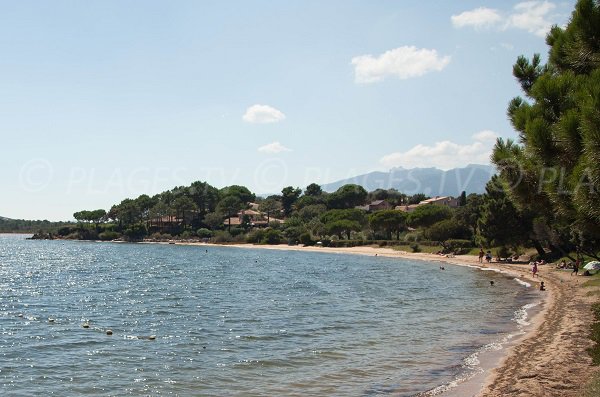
[554, 169]
[388, 222]
[347, 196]
[428, 214]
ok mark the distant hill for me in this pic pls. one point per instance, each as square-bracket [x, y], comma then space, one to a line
[430, 181]
[8, 225]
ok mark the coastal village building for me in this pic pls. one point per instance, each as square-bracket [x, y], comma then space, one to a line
[437, 200]
[163, 223]
[376, 205]
[255, 219]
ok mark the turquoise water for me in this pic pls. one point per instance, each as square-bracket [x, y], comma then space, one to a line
[239, 322]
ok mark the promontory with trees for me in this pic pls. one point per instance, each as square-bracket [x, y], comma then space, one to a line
[545, 196]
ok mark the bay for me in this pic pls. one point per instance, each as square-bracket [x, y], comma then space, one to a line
[222, 321]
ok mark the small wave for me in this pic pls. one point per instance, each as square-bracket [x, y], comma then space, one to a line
[488, 269]
[523, 283]
[521, 314]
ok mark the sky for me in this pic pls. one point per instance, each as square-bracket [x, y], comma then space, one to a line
[106, 100]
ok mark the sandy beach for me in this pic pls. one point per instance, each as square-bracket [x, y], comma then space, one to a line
[551, 359]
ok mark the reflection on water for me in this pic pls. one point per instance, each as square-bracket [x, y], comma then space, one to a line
[238, 322]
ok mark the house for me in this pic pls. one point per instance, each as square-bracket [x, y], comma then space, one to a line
[376, 205]
[442, 200]
[164, 223]
[437, 200]
[255, 219]
[379, 205]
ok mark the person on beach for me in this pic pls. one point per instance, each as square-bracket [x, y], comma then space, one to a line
[542, 288]
[481, 255]
[534, 269]
[488, 256]
[576, 267]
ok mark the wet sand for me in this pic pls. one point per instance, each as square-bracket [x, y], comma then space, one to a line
[550, 359]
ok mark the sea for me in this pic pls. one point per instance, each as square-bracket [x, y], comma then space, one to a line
[119, 319]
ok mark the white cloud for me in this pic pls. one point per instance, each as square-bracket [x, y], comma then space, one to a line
[262, 114]
[478, 18]
[485, 136]
[403, 62]
[445, 154]
[532, 17]
[274, 147]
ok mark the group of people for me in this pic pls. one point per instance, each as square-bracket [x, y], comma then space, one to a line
[562, 265]
[488, 256]
[571, 265]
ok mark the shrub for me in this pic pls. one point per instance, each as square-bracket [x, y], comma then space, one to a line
[236, 231]
[204, 233]
[305, 239]
[135, 232]
[64, 231]
[256, 236]
[459, 247]
[415, 247]
[413, 236]
[222, 236]
[160, 236]
[503, 252]
[186, 235]
[109, 236]
[272, 236]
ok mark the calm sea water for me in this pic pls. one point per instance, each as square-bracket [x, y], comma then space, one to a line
[239, 322]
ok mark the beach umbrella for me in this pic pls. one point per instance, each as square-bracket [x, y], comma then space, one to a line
[592, 266]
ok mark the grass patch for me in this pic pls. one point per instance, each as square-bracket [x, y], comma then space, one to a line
[423, 248]
[592, 389]
[594, 351]
[594, 281]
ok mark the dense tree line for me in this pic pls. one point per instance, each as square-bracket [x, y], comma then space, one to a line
[28, 226]
[202, 211]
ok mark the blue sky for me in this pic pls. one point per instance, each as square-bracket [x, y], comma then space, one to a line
[103, 100]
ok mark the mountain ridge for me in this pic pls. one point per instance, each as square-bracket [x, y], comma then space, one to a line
[430, 181]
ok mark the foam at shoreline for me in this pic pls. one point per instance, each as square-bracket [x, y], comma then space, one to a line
[477, 365]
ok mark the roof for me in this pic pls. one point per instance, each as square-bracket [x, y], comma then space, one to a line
[249, 212]
[436, 199]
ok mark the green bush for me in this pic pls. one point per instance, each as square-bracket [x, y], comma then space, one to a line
[236, 231]
[160, 236]
[109, 236]
[413, 236]
[503, 252]
[306, 240]
[65, 231]
[204, 233]
[135, 232]
[272, 236]
[222, 236]
[186, 235]
[459, 247]
[415, 247]
[255, 236]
